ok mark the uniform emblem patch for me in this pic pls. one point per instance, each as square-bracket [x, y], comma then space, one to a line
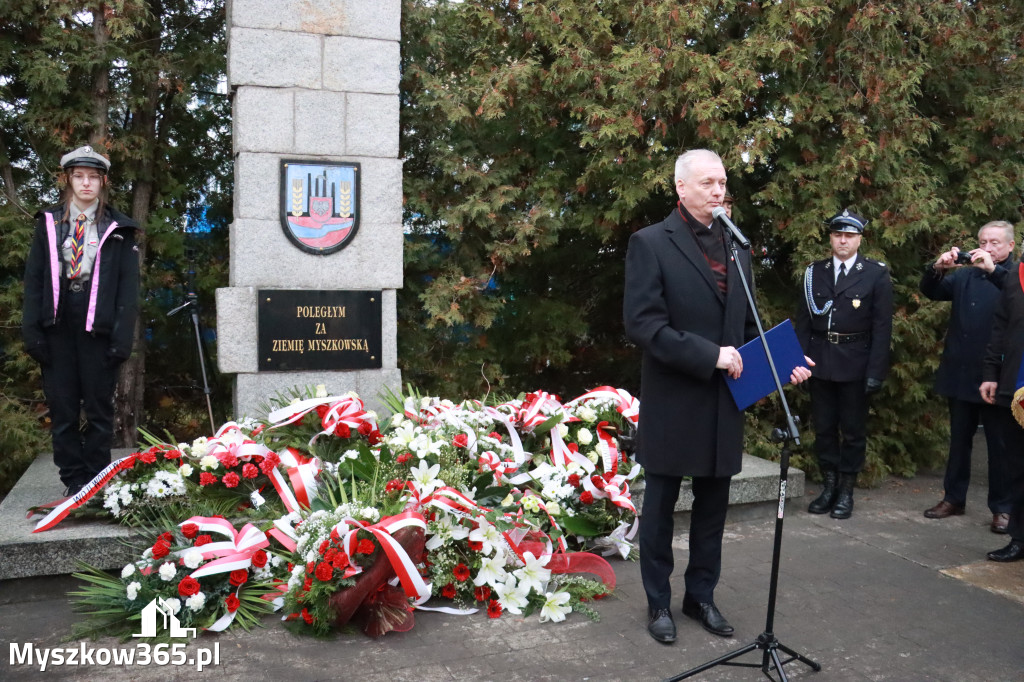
[856, 303]
[320, 204]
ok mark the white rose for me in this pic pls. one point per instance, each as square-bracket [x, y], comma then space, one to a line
[133, 590]
[397, 418]
[563, 430]
[585, 437]
[193, 558]
[196, 601]
[167, 572]
[587, 415]
[593, 456]
[553, 508]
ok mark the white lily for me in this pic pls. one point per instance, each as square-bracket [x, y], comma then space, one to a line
[533, 575]
[492, 571]
[511, 596]
[426, 477]
[488, 537]
[554, 608]
[445, 529]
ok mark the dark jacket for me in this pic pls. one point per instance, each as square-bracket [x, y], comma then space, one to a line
[673, 309]
[1006, 345]
[113, 285]
[862, 304]
[975, 297]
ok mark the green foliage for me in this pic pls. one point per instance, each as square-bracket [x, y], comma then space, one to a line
[539, 135]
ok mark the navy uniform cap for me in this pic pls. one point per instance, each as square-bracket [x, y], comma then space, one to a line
[84, 156]
[846, 221]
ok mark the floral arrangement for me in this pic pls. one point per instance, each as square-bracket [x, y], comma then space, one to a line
[492, 507]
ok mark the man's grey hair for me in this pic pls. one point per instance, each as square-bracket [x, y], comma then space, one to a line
[1001, 224]
[685, 162]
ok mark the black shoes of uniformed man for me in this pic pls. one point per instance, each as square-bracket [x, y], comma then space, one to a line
[836, 496]
[708, 615]
[1012, 552]
[661, 626]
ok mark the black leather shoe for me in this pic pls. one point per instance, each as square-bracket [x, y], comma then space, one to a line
[829, 491]
[73, 489]
[709, 616]
[844, 501]
[1012, 552]
[661, 626]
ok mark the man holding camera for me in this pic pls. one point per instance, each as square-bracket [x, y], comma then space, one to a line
[972, 280]
[844, 326]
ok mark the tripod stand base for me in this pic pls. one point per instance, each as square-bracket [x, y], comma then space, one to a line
[770, 660]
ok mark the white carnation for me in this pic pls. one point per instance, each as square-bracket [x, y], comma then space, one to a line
[168, 571]
[133, 590]
[127, 570]
[193, 558]
[185, 470]
[209, 463]
[196, 601]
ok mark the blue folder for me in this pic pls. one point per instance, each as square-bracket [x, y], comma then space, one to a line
[756, 381]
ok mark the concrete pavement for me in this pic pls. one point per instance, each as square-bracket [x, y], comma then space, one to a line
[885, 595]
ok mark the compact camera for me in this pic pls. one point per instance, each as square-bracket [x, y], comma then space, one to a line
[963, 258]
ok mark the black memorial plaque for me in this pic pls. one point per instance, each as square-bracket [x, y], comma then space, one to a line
[319, 330]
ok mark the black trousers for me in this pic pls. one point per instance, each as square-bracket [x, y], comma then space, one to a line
[79, 379]
[964, 418]
[707, 524]
[840, 413]
[1013, 436]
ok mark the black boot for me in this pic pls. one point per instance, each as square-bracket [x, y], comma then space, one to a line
[844, 502]
[824, 502]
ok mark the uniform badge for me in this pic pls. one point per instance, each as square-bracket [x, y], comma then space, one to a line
[856, 303]
[320, 205]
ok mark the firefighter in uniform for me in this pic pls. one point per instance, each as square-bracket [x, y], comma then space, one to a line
[78, 322]
[844, 324]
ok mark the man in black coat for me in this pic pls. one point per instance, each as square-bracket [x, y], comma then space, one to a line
[844, 325]
[685, 307]
[1003, 381]
[972, 281]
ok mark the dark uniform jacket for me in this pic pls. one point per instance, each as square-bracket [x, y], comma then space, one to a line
[975, 297]
[113, 285]
[674, 310]
[861, 305]
[1006, 345]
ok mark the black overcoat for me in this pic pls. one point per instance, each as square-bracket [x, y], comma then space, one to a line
[861, 304]
[674, 311]
[975, 297]
[1005, 351]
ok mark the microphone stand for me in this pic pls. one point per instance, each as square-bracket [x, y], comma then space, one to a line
[192, 302]
[766, 642]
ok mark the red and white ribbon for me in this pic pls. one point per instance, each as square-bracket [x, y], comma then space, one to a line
[58, 513]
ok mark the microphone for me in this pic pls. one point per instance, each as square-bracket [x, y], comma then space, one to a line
[719, 212]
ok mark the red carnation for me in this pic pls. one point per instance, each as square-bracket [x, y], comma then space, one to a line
[482, 593]
[574, 480]
[393, 485]
[189, 530]
[342, 430]
[587, 497]
[269, 463]
[609, 475]
[404, 457]
[259, 559]
[461, 572]
[324, 571]
[307, 616]
[329, 555]
[148, 457]
[250, 470]
[365, 428]
[448, 591]
[323, 546]
[374, 437]
[365, 547]
[310, 567]
[232, 603]
[335, 535]
[340, 561]
[238, 577]
[461, 440]
[494, 609]
[228, 459]
[307, 584]
[206, 478]
[161, 549]
[476, 545]
[188, 587]
[172, 454]
[203, 540]
[495, 435]
[232, 480]
[598, 481]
